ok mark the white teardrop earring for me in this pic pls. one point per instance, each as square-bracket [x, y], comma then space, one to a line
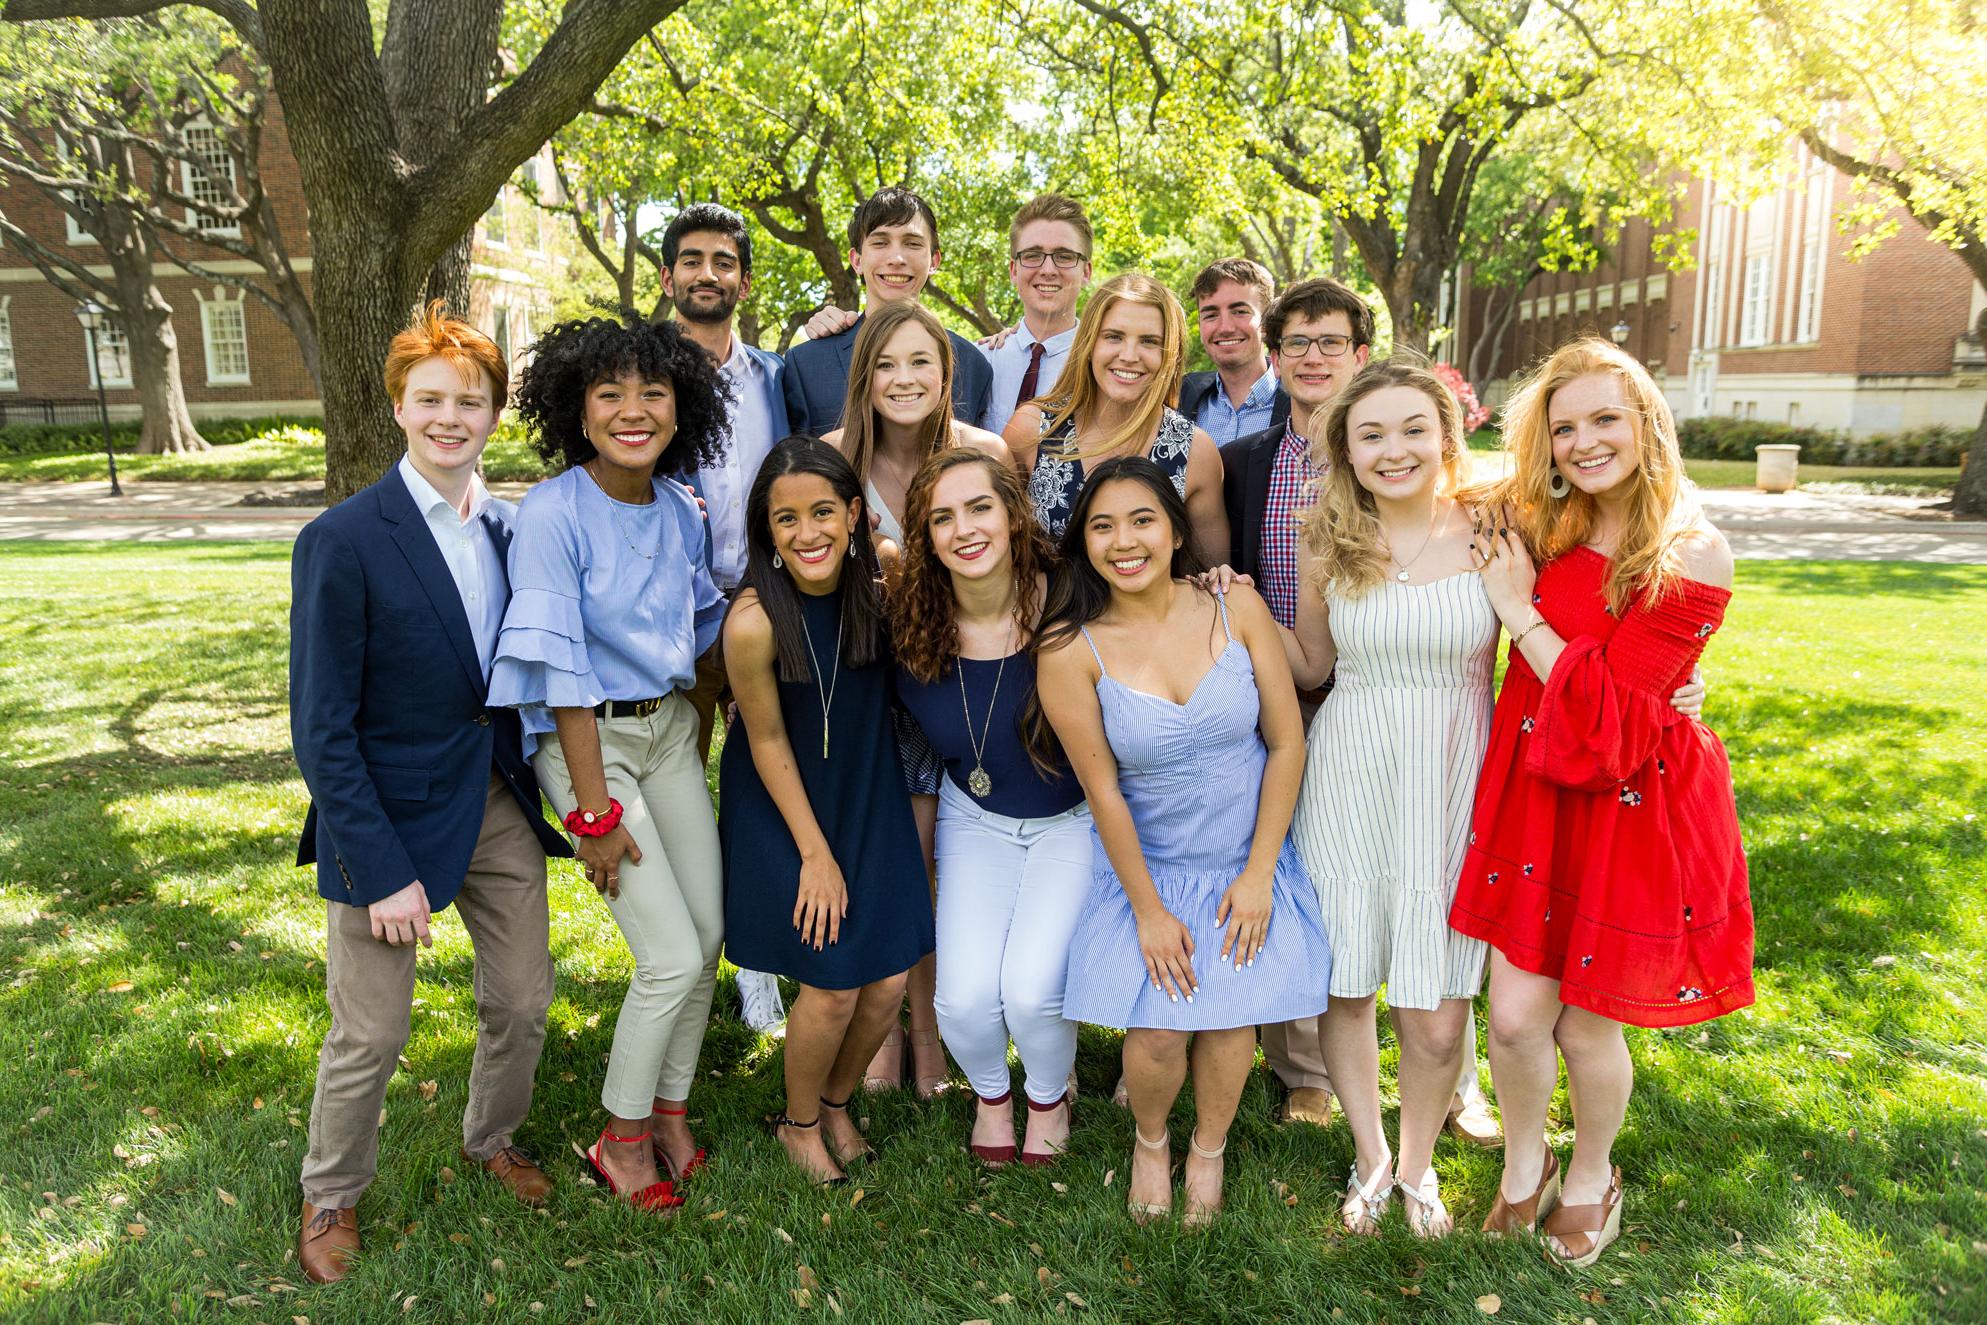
[1557, 484]
[777, 563]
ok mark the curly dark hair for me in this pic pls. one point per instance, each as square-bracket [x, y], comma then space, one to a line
[572, 356]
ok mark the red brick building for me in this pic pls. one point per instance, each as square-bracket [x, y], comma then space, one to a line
[237, 358]
[1774, 322]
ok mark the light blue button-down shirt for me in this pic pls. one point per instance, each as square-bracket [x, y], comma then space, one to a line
[608, 600]
[1010, 366]
[1222, 421]
[465, 544]
[725, 484]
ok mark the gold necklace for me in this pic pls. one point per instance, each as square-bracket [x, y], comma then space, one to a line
[827, 695]
[977, 781]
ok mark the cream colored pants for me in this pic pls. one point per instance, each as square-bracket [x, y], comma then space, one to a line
[671, 907]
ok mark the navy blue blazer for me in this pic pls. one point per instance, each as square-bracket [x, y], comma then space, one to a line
[1245, 469]
[387, 712]
[1195, 388]
[816, 381]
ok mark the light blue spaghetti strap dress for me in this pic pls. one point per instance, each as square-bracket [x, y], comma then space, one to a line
[1192, 775]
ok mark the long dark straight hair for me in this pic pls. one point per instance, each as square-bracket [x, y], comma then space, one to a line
[1078, 595]
[864, 628]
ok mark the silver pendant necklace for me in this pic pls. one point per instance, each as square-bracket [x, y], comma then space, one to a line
[825, 693]
[977, 781]
[1402, 575]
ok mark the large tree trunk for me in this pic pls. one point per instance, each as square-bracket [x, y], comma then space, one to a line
[1970, 497]
[146, 318]
[364, 296]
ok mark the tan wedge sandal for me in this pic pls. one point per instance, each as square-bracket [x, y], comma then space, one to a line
[1523, 1216]
[1578, 1234]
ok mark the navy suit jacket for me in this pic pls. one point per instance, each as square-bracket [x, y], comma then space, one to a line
[816, 381]
[1195, 388]
[1245, 469]
[387, 711]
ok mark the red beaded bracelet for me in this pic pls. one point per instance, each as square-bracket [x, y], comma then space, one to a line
[586, 824]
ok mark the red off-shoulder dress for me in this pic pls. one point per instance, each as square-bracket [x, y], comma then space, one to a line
[1604, 849]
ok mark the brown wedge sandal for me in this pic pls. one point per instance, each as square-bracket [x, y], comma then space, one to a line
[1523, 1216]
[1583, 1232]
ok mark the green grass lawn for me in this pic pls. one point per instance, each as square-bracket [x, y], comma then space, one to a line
[1819, 1156]
[1902, 482]
[257, 460]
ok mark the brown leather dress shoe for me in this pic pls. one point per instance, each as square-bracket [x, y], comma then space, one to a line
[519, 1173]
[327, 1242]
[1308, 1104]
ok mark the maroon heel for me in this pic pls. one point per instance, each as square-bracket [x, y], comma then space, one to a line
[1044, 1158]
[994, 1156]
[659, 1196]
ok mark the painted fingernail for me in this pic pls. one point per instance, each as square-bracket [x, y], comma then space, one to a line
[1252, 961]
[1174, 998]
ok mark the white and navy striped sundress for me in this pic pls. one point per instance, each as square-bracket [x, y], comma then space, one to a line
[1390, 777]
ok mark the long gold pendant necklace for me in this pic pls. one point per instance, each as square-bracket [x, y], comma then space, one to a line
[977, 781]
[827, 694]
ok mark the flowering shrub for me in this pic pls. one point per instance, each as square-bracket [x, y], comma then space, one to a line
[1475, 412]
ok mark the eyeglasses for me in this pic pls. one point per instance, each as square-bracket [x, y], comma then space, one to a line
[1064, 258]
[1296, 347]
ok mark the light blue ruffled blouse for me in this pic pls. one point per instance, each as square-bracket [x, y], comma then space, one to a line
[593, 615]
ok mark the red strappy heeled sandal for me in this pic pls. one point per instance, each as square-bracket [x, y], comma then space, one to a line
[696, 1164]
[993, 1156]
[659, 1196]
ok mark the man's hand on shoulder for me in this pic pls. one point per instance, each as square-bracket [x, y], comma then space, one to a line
[402, 918]
[830, 321]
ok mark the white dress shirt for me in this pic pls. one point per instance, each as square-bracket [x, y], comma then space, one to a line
[1010, 365]
[471, 554]
[725, 485]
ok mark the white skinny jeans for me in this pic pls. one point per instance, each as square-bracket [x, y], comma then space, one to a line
[1010, 892]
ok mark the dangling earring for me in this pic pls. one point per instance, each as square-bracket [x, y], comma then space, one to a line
[852, 549]
[1557, 484]
[777, 563]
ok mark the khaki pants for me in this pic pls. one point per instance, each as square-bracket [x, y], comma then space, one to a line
[671, 907]
[370, 985]
[707, 696]
[1295, 1052]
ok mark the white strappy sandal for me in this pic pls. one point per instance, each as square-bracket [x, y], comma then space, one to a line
[1365, 1202]
[1427, 1217]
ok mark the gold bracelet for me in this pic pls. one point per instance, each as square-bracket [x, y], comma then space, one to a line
[1519, 638]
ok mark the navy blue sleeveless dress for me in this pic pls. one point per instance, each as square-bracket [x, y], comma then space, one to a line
[859, 800]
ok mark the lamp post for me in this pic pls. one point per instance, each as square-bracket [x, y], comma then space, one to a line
[91, 314]
[1619, 333]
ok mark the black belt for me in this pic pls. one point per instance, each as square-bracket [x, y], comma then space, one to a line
[629, 708]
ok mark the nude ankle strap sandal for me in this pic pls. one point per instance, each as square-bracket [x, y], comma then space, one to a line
[1146, 1211]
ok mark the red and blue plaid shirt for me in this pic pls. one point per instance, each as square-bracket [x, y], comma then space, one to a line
[1293, 482]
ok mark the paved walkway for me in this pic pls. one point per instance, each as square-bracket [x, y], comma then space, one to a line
[1761, 526]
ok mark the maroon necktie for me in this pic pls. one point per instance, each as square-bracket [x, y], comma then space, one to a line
[1030, 378]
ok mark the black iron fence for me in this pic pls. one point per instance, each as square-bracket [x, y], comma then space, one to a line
[48, 411]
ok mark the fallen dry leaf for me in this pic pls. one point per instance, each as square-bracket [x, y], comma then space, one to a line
[807, 1278]
[1490, 1304]
[783, 1235]
[447, 1174]
[855, 1197]
[428, 1089]
[1003, 1300]
[136, 1230]
[1109, 1174]
[803, 1299]
[407, 1304]
[1076, 1301]
[121, 987]
[227, 1197]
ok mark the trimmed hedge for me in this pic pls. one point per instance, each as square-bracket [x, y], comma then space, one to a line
[63, 438]
[1715, 438]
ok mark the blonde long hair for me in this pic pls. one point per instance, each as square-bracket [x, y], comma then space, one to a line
[1662, 506]
[859, 426]
[1342, 531]
[1076, 391]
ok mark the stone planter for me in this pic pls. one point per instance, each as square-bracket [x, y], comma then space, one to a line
[1779, 465]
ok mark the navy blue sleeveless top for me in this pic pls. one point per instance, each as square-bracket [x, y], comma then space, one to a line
[1019, 789]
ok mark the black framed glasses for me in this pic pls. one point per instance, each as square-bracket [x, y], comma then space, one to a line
[1064, 258]
[1296, 347]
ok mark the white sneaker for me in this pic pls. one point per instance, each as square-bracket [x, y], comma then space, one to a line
[759, 996]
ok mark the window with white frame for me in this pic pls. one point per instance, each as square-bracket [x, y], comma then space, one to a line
[224, 331]
[66, 156]
[112, 366]
[495, 230]
[10, 378]
[1756, 294]
[535, 191]
[211, 182]
[1714, 278]
[1814, 247]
